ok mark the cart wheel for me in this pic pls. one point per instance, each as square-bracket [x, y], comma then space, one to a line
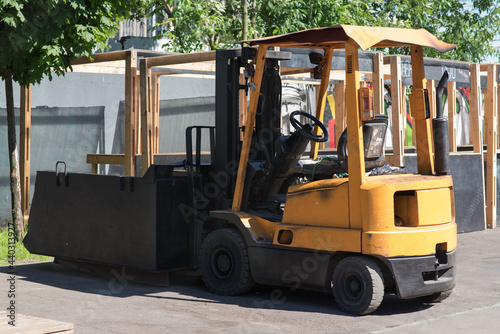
[435, 297]
[224, 263]
[357, 285]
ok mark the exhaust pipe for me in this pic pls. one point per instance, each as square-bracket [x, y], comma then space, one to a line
[440, 131]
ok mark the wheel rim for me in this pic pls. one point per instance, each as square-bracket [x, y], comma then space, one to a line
[353, 286]
[222, 263]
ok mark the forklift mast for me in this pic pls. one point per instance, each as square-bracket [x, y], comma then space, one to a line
[228, 86]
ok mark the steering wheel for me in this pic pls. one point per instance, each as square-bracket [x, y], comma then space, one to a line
[306, 129]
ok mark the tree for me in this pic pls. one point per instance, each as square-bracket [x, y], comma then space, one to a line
[196, 25]
[40, 38]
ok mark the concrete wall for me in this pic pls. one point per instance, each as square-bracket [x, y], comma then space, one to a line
[83, 113]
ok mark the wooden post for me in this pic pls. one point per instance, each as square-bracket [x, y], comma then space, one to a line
[431, 88]
[491, 113]
[146, 117]
[475, 122]
[452, 111]
[403, 115]
[155, 91]
[24, 151]
[378, 83]
[130, 111]
[397, 112]
[138, 144]
[321, 98]
[340, 111]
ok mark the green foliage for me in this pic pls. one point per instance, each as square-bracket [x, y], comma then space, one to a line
[196, 25]
[39, 37]
[207, 24]
[22, 255]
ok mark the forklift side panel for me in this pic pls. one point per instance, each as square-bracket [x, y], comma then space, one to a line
[292, 268]
[318, 238]
[408, 241]
[318, 207]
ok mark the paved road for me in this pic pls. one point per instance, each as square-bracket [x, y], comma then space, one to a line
[112, 305]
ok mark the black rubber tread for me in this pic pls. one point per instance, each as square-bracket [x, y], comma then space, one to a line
[371, 277]
[435, 297]
[239, 279]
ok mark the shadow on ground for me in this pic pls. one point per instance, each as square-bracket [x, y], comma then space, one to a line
[188, 287]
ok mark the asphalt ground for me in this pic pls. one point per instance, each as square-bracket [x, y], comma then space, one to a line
[95, 304]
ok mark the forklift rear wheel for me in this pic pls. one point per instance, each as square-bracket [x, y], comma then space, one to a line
[357, 285]
[224, 263]
[435, 297]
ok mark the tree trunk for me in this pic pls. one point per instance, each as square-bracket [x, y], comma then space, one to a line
[244, 10]
[15, 185]
[254, 15]
[311, 8]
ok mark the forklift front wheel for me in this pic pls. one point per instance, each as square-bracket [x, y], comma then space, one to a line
[357, 285]
[224, 263]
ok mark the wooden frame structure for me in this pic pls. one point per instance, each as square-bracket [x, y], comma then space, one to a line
[119, 62]
[150, 72]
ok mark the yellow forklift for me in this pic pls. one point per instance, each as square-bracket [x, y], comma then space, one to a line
[360, 236]
[261, 212]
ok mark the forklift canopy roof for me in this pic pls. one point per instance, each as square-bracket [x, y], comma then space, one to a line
[366, 37]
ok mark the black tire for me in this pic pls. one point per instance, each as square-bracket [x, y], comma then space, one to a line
[358, 286]
[224, 263]
[435, 297]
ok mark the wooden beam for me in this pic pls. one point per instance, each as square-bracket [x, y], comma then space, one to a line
[452, 111]
[105, 159]
[182, 59]
[293, 70]
[321, 99]
[91, 68]
[491, 113]
[431, 88]
[260, 60]
[101, 57]
[207, 67]
[378, 83]
[155, 116]
[130, 112]
[475, 123]
[146, 117]
[138, 116]
[404, 108]
[25, 148]
[397, 112]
